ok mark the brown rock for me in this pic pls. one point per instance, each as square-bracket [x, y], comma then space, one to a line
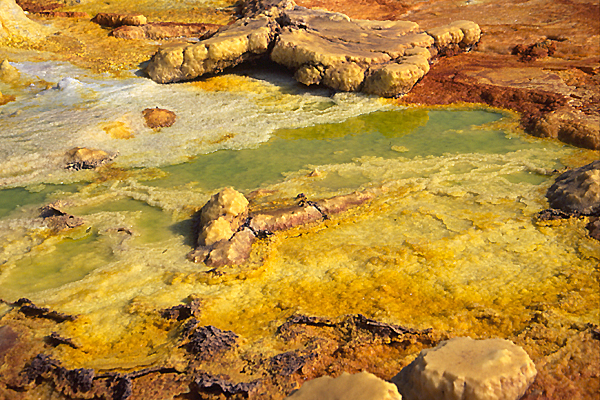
[8, 339]
[577, 191]
[115, 20]
[594, 227]
[570, 127]
[37, 6]
[84, 158]
[286, 218]
[64, 14]
[159, 117]
[233, 251]
[165, 30]
[338, 204]
[534, 51]
[58, 220]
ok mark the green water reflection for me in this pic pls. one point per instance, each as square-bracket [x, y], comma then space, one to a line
[387, 134]
[13, 198]
[404, 134]
[61, 263]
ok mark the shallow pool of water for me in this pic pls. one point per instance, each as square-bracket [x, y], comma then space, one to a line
[451, 236]
[386, 134]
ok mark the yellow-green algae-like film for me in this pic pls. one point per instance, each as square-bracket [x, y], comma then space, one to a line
[450, 241]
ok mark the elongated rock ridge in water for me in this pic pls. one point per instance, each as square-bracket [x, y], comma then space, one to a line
[385, 58]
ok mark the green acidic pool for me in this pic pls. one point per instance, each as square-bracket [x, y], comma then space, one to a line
[386, 134]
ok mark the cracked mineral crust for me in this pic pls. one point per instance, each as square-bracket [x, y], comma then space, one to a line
[385, 58]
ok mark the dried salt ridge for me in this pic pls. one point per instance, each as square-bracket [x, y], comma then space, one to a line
[226, 230]
[360, 386]
[385, 58]
[467, 369]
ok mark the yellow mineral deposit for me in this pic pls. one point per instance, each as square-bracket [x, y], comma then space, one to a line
[8, 73]
[360, 386]
[15, 27]
[117, 130]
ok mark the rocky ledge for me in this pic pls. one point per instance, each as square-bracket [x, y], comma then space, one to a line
[574, 194]
[385, 58]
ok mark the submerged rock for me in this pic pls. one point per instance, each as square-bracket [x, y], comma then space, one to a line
[463, 368]
[386, 58]
[577, 191]
[360, 386]
[58, 220]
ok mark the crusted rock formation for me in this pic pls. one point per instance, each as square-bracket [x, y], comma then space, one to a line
[226, 230]
[58, 220]
[165, 30]
[386, 58]
[360, 386]
[158, 117]
[571, 127]
[463, 368]
[83, 158]
[244, 40]
[115, 20]
[16, 27]
[577, 191]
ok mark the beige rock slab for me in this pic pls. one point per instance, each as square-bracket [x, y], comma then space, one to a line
[385, 58]
[15, 26]
[241, 41]
[467, 369]
[360, 386]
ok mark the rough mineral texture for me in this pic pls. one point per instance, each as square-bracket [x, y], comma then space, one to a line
[386, 58]
[115, 20]
[8, 73]
[360, 386]
[577, 191]
[84, 158]
[226, 229]
[570, 126]
[16, 27]
[165, 30]
[467, 369]
[244, 40]
[158, 117]
[58, 220]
